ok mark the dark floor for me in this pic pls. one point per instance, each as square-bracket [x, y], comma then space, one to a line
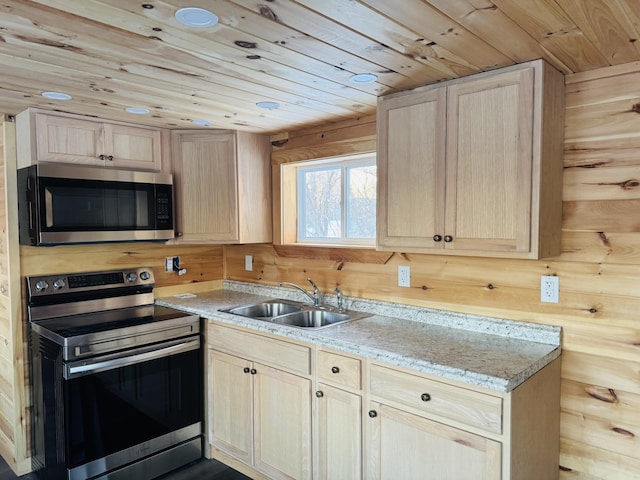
[202, 470]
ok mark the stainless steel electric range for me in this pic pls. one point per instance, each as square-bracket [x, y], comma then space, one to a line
[117, 381]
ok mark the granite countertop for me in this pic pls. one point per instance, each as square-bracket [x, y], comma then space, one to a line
[494, 353]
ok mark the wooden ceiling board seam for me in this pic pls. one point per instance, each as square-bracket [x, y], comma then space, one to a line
[383, 30]
[445, 32]
[222, 40]
[162, 49]
[547, 23]
[274, 32]
[485, 20]
[194, 91]
[607, 26]
[320, 28]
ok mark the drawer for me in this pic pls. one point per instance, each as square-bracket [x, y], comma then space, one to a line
[437, 398]
[272, 352]
[339, 369]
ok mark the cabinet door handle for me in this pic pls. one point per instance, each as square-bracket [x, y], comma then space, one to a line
[448, 238]
[110, 158]
[335, 370]
[319, 394]
[373, 413]
[102, 157]
[178, 234]
[437, 238]
[253, 371]
[425, 397]
[246, 370]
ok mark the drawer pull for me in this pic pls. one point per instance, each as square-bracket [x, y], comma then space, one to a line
[319, 394]
[373, 413]
[335, 370]
[253, 371]
[246, 370]
[425, 397]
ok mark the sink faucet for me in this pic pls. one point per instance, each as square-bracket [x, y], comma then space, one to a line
[315, 298]
[339, 298]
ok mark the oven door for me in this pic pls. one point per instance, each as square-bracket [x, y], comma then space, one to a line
[126, 406]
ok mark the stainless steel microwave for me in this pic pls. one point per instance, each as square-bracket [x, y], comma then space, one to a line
[60, 203]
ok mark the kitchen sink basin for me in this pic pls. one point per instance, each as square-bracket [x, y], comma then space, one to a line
[312, 318]
[295, 314]
[265, 310]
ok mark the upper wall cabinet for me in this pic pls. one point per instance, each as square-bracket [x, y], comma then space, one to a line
[222, 182]
[65, 138]
[474, 166]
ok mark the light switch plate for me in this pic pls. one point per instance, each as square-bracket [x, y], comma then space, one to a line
[248, 263]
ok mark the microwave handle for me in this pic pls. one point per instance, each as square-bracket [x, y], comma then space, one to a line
[81, 368]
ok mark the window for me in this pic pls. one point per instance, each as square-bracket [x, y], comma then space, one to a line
[335, 201]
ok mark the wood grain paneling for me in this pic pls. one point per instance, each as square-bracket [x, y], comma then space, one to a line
[599, 268]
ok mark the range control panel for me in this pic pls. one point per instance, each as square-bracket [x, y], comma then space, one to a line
[85, 282]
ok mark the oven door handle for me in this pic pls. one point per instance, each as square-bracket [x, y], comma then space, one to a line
[81, 368]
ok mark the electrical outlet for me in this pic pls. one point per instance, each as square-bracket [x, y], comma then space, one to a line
[404, 276]
[549, 288]
[168, 264]
[248, 263]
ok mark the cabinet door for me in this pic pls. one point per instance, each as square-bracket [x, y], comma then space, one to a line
[68, 140]
[406, 446]
[411, 174]
[339, 438]
[230, 405]
[282, 411]
[489, 163]
[205, 178]
[132, 147]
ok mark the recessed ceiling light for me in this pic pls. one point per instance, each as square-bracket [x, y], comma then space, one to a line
[56, 96]
[268, 105]
[363, 78]
[196, 17]
[137, 110]
[204, 123]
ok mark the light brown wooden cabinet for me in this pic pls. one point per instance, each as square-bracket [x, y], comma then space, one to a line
[66, 138]
[474, 166]
[370, 420]
[222, 182]
[419, 426]
[259, 403]
[338, 421]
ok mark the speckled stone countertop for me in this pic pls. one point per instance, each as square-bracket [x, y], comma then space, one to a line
[490, 352]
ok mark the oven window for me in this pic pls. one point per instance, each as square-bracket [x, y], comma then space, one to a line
[92, 205]
[116, 409]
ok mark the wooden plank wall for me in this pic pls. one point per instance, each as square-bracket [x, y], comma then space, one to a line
[599, 270]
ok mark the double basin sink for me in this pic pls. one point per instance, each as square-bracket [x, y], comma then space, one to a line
[295, 314]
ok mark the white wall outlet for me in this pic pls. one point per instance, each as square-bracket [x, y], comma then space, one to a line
[248, 263]
[549, 288]
[168, 264]
[404, 276]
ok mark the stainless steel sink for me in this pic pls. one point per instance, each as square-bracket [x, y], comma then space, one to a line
[312, 318]
[265, 310]
[294, 314]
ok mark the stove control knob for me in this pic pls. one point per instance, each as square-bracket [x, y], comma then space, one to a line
[41, 285]
[145, 275]
[58, 284]
[132, 277]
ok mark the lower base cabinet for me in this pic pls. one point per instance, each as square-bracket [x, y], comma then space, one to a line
[407, 446]
[369, 420]
[339, 434]
[260, 415]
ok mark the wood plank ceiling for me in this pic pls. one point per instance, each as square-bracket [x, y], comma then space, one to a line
[112, 54]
